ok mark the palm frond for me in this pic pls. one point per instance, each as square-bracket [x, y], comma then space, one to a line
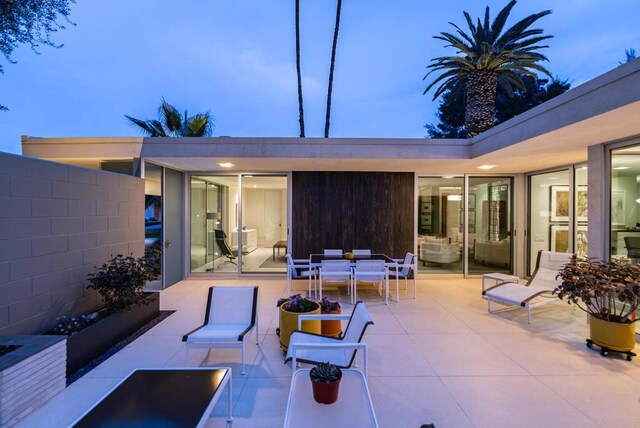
[146, 127]
[170, 116]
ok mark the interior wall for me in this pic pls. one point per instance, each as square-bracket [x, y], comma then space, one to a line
[352, 210]
[254, 212]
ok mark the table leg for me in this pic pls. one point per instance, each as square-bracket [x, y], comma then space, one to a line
[229, 382]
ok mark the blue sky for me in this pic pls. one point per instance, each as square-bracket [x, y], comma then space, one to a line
[237, 59]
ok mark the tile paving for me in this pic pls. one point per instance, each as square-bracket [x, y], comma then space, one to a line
[438, 359]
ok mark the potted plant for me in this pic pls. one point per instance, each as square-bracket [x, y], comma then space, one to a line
[325, 381]
[290, 308]
[330, 327]
[609, 291]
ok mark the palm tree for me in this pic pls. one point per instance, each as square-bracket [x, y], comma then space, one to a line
[172, 123]
[333, 62]
[300, 105]
[488, 57]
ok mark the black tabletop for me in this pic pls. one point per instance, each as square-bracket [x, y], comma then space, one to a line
[157, 398]
[318, 258]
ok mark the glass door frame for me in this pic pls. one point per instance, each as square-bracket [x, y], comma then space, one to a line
[238, 175]
[572, 223]
[512, 216]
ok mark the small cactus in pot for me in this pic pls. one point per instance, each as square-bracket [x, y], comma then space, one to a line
[325, 380]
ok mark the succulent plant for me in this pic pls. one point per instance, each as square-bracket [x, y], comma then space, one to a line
[325, 373]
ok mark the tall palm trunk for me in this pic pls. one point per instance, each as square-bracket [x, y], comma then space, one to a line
[333, 62]
[480, 111]
[300, 105]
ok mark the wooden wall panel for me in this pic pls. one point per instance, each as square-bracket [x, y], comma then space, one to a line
[350, 210]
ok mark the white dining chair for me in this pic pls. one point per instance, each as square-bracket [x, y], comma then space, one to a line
[335, 272]
[361, 252]
[371, 271]
[333, 252]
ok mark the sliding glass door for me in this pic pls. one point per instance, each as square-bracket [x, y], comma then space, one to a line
[490, 224]
[440, 224]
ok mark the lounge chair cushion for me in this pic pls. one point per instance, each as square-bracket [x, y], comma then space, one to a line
[218, 333]
[513, 293]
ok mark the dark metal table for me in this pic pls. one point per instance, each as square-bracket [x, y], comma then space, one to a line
[160, 398]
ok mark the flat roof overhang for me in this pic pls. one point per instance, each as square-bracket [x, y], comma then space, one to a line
[555, 133]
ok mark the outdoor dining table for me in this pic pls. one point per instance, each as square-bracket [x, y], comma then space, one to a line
[315, 261]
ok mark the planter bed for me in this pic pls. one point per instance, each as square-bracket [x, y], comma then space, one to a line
[89, 343]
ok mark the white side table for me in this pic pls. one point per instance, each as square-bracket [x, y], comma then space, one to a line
[353, 408]
[499, 277]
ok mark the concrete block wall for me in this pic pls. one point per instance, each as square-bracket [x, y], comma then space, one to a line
[56, 222]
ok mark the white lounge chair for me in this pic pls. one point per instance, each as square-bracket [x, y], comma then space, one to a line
[363, 252]
[540, 285]
[313, 348]
[230, 319]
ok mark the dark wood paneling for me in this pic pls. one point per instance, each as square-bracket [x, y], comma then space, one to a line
[350, 210]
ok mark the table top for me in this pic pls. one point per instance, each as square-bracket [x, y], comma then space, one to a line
[353, 408]
[158, 397]
[318, 258]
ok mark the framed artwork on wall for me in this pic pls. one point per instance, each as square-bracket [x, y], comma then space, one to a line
[618, 199]
[559, 239]
[559, 205]
[472, 201]
[582, 206]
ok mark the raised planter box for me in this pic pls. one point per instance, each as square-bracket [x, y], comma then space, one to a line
[30, 375]
[91, 342]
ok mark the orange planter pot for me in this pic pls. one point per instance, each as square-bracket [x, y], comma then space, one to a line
[332, 327]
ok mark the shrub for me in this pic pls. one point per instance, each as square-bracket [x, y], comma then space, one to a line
[120, 281]
[68, 326]
[327, 305]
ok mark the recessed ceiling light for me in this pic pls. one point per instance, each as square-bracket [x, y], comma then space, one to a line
[226, 164]
[620, 168]
[448, 176]
[553, 178]
[486, 166]
[248, 176]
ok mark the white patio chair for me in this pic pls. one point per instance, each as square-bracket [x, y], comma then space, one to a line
[299, 269]
[405, 268]
[230, 319]
[313, 348]
[538, 290]
[371, 271]
[333, 252]
[361, 252]
[335, 272]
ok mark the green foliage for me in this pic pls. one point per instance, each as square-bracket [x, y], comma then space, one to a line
[630, 55]
[451, 108]
[171, 123]
[609, 290]
[297, 303]
[488, 46]
[30, 22]
[120, 281]
[325, 373]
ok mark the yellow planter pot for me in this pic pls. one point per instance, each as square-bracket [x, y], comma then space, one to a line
[289, 322]
[612, 335]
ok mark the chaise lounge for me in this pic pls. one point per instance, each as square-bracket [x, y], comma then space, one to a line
[539, 287]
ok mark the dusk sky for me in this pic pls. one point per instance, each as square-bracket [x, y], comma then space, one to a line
[237, 60]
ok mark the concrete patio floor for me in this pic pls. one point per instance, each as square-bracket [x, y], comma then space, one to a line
[438, 359]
